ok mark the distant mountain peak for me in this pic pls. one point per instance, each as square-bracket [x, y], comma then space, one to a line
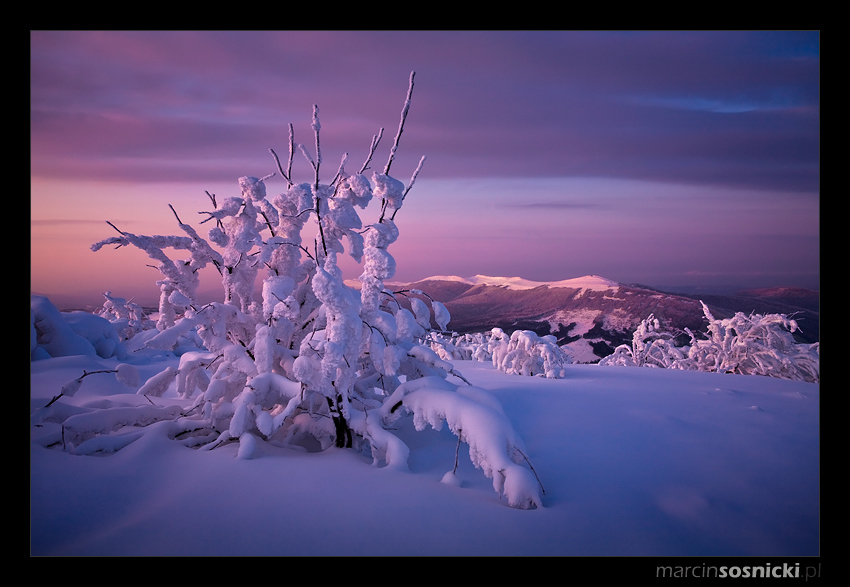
[592, 282]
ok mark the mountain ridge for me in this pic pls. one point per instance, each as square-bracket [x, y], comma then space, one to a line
[518, 283]
[593, 315]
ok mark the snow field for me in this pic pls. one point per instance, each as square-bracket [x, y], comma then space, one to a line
[633, 462]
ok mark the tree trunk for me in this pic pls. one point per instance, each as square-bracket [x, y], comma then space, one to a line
[343, 432]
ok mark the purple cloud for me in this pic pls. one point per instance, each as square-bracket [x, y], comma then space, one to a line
[662, 106]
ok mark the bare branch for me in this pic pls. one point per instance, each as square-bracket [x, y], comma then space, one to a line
[175, 214]
[341, 171]
[321, 228]
[268, 223]
[459, 376]
[409, 185]
[457, 449]
[291, 150]
[305, 211]
[400, 124]
[530, 466]
[215, 206]
[375, 140]
[116, 228]
[303, 248]
[316, 127]
[280, 169]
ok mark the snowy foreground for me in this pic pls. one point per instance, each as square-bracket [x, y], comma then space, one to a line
[634, 461]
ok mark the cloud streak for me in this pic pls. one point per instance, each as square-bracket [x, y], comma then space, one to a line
[660, 106]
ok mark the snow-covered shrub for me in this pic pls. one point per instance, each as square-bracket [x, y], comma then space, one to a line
[754, 345]
[522, 353]
[450, 347]
[749, 345]
[526, 353]
[312, 361]
[651, 347]
[127, 317]
[180, 278]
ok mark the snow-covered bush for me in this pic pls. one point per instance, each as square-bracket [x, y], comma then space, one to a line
[452, 346]
[526, 353]
[754, 345]
[522, 352]
[127, 317]
[749, 345]
[651, 347]
[180, 278]
[310, 361]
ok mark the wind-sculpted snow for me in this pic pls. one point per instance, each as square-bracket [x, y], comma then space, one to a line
[51, 335]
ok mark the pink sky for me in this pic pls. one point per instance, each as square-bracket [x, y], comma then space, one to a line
[662, 158]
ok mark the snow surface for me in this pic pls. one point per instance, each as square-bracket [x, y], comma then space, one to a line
[634, 461]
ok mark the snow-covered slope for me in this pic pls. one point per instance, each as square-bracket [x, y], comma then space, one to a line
[592, 282]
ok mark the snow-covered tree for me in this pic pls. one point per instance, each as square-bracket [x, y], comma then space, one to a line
[314, 361]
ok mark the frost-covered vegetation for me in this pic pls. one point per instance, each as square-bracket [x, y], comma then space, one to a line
[522, 352]
[315, 362]
[749, 345]
[752, 344]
